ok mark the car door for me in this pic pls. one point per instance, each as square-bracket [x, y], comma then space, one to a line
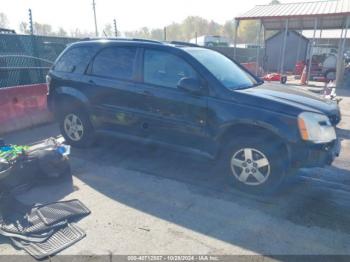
[176, 116]
[118, 101]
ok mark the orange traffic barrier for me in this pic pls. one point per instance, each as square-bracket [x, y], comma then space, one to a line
[22, 107]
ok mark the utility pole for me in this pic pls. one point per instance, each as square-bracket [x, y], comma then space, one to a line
[115, 28]
[94, 7]
[164, 33]
[31, 22]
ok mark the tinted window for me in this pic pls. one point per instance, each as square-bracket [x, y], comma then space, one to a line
[75, 59]
[165, 69]
[225, 70]
[115, 62]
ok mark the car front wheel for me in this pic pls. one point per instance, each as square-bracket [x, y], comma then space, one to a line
[255, 166]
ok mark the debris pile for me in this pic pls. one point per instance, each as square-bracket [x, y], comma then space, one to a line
[43, 230]
[40, 230]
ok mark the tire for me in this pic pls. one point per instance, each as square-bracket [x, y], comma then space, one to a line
[283, 79]
[254, 166]
[76, 128]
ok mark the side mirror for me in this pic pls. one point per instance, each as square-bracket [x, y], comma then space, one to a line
[190, 85]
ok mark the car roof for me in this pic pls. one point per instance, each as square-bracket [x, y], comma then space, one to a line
[131, 41]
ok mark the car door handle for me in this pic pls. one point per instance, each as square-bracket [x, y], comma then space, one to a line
[92, 82]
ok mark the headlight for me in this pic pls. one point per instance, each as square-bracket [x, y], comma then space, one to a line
[316, 128]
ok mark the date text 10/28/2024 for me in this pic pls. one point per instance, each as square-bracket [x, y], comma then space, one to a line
[172, 258]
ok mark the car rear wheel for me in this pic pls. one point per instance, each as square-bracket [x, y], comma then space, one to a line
[76, 128]
[255, 166]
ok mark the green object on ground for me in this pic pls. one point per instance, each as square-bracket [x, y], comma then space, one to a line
[11, 152]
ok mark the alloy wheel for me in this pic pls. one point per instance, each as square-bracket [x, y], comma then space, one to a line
[73, 127]
[250, 166]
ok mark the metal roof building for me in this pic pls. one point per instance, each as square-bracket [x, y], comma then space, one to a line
[297, 46]
[317, 15]
[331, 14]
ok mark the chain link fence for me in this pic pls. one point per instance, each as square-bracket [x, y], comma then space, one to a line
[243, 55]
[25, 59]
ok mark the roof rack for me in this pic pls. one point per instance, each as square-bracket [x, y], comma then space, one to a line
[122, 39]
[7, 31]
[183, 43]
[147, 40]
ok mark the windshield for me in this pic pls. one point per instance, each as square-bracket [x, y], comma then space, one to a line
[224, 69]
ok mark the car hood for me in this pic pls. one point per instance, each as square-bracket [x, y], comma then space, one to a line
[293, 97]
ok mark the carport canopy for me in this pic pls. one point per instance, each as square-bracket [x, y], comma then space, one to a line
[317, 15]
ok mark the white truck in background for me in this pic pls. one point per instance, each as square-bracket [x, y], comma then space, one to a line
[210, 41]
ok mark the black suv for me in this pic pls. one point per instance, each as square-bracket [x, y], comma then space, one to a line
[192, 99]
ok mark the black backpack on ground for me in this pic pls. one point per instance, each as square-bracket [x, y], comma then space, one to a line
[41, 165]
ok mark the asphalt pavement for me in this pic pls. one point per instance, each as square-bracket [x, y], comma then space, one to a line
[149, 200]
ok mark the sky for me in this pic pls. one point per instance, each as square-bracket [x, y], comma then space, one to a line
[130, 14]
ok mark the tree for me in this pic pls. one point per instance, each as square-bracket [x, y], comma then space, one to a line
[247, 31]
[23, 28]
[43, 29]
[3, 20]
[157, 34]
[108, 31]
[228, 30]
[192, 25]
[144, 32]
[214, 28]
[187, 30]
[79, 34]
[274, 2]
[174, 32]
[61, 32]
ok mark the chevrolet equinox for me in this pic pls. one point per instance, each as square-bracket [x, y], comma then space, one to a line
[191, 99]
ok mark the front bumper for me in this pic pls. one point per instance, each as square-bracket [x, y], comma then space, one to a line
[315, 155]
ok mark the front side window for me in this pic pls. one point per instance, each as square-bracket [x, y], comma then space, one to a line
[225, 70]
[115, 62]
[165, 69]
[75, 59]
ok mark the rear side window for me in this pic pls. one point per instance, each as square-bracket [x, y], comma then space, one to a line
[115, 62]
[165, 69]
[75, 59]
